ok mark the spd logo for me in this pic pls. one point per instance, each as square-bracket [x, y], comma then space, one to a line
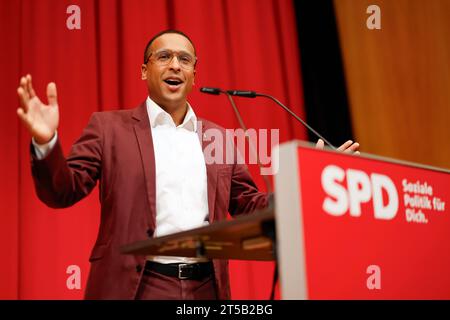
[360, 188]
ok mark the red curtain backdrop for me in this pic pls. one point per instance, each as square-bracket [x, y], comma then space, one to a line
[249, 44]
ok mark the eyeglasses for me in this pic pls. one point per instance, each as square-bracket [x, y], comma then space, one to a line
[165, 57]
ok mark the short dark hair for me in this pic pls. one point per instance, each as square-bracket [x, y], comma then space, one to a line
[146, 53]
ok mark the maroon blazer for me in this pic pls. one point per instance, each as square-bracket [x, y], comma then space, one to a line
[116, 148]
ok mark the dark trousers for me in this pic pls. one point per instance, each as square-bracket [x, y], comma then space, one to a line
[156, 286]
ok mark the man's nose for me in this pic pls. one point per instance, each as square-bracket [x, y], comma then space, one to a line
[174, 63]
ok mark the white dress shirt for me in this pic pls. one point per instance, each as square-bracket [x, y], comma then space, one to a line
[181, 181]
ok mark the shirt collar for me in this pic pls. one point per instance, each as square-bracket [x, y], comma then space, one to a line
[158, 116]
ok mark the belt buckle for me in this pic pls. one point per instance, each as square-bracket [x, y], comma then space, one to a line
[180, 270]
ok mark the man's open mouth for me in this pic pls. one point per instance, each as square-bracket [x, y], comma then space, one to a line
[173, 82]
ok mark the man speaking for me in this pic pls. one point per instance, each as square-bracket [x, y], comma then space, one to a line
[152, 175]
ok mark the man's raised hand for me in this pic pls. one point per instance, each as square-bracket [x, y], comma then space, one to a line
[347, 147]
[41, 120]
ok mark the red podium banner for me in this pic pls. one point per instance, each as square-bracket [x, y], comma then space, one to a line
[361, 227]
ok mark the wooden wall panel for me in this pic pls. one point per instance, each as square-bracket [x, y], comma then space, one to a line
[398, 77]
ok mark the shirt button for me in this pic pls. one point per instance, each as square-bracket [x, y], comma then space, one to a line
[149, 233]
[138, 268]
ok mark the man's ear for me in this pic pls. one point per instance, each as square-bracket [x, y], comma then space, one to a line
[143, 72]
[193, 80]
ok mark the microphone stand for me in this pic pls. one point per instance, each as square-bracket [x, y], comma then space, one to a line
[253, 94]
[268, 229]
[251, 147]
[218, 91]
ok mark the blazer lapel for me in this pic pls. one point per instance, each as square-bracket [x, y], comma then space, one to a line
[211, 172]
[142, 129]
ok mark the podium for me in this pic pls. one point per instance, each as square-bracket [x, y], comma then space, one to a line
[343, 227]
[248, 237]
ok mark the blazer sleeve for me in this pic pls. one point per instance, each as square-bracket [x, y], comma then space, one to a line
[61, 182]
[244, 195]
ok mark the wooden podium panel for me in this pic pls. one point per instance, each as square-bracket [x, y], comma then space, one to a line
[245, 237]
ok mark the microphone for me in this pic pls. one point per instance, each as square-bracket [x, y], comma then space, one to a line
[241, 93]
[253, 94]
[210, 90]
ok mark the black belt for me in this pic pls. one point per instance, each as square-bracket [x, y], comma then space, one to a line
[183, 271]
